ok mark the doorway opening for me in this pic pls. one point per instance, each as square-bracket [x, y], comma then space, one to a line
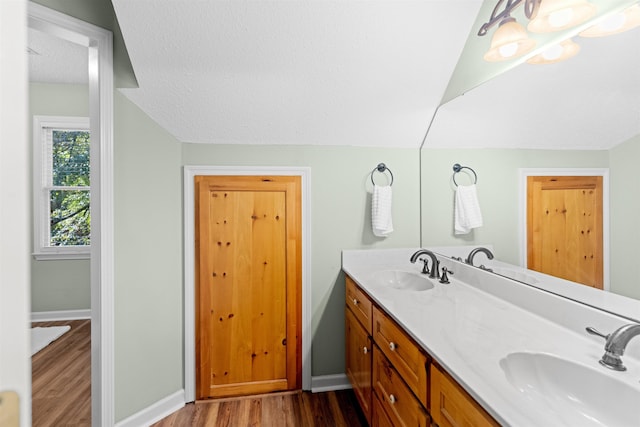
[98, 43]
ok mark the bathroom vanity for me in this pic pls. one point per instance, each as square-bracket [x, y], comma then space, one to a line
[482, 350]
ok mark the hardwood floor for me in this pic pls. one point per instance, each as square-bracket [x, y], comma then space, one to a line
[61, 378]
[61, 393]
[297, 409]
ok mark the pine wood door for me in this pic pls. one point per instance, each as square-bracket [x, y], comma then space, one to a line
[248, 286]
[564, 227]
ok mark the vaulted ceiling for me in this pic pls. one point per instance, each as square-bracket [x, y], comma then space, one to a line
[363, 73]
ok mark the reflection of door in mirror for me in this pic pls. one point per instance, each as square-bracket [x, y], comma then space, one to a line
[565, 227]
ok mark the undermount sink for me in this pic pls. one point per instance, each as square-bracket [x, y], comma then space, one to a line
[402, 280]
[574, 394]
[520, 276]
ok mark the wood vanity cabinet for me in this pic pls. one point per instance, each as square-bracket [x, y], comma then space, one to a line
[394, 380]
[451, 406]
[359, 345]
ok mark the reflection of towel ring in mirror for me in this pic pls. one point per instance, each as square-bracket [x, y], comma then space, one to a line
[457, 168]
[381, 168]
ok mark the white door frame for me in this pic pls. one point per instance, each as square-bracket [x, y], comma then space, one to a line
[603, 172]
[190, 172]
[98, 42]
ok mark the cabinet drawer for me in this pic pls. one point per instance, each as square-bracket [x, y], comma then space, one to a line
[379, 417]
[398, 402]
[359, 351]
[404, 354]
[451, 406]
[359, 303]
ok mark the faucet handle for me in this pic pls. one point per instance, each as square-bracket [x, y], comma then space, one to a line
[444, 278]
[425, 265]
[594, 331]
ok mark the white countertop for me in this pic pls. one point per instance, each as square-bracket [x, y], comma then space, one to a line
[472, 323]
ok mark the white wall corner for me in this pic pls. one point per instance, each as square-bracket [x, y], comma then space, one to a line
[335, 382]
[155, 412]
[53, 316]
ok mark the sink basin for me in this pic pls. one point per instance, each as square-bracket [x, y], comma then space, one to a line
[403, 280]
[572, 393]
[520, 276]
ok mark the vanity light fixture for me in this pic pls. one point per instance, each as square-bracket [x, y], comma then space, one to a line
[556, 53]
[616, 23]
[557, 15]
[510, 40]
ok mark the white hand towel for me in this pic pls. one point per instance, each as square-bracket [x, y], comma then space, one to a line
[467, 213]
[381, 211]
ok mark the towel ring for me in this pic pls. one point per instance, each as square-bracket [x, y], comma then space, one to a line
[381, 168]
[457, 168]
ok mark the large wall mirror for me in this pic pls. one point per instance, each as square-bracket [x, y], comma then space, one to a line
[579, 114]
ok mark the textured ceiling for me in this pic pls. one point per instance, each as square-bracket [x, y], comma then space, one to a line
[362, 73]
[54, 60]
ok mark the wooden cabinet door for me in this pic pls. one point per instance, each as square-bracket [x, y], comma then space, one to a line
[451, 406]
[248, 296]
[359, 353]
[359, 303]
[407, 357]
[379, 418]
[564, 227]
[396, 399]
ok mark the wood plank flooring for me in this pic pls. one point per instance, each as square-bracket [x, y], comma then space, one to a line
[61, 393]
[295, 409]
[61, 378]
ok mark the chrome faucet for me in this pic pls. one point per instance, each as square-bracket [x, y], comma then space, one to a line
[473, 253]
[615, 345]
[435, 270]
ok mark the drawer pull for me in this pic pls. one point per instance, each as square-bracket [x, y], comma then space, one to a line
[392, 346]
[365, 350]
[355, 301]
[392, 399]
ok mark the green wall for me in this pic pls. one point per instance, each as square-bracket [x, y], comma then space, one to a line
[498, 189]
[625, 205]
[340, 219]
[148, 261]
[60, 284]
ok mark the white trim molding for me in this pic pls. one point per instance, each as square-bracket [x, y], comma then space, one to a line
[335, 382]
[155, 412]
[42, 161]
[190, 172]
[54, 316]
[99, 44]
[522, 203]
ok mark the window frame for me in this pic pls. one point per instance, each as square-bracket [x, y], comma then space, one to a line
[41, 208]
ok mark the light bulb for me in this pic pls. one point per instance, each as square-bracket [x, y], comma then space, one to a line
[552, 53]
[560, 18]
[508, 50]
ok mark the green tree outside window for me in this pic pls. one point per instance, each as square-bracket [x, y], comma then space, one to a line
[69, 195]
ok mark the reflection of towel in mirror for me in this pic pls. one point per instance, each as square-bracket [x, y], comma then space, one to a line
[467, 213]
[381, 211]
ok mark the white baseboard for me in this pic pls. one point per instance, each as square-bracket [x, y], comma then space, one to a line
[154, 413]
[165, 407]
[329, 383]
[52, 316]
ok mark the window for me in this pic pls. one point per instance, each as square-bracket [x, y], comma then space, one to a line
[62, 214]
